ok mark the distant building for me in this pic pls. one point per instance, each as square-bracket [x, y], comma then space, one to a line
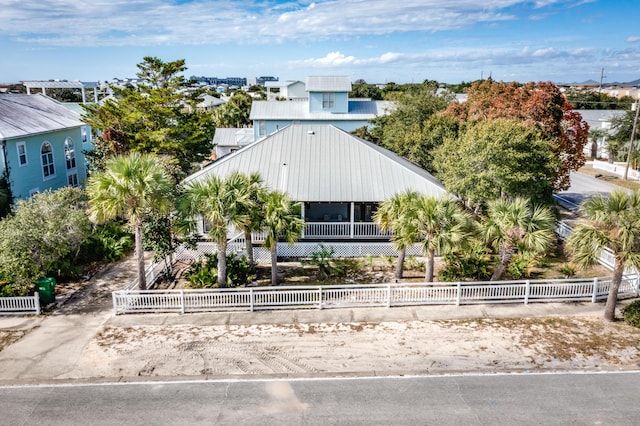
[260, 81]
[216, 81]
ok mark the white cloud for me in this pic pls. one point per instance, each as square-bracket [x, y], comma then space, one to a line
[159, 22]
[633, 39]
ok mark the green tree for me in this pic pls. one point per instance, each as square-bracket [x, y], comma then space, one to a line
[364, 90]
[234, 113]
[154, 117]
[538, 105]
[514, 225]
[442, 226]
[282, 221]
[251, 213]
[397, 215]
[221, 202]
[497, 157]
[131, 187]
[407, 129]
[614, 224]
[43, 234]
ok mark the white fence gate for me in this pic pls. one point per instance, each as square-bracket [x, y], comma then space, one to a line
[21, 305]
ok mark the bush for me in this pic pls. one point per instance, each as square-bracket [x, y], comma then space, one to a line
[110, 241]
[9, 287]
[204, 273]
[632, 314]
[322, 257]
[472, 263]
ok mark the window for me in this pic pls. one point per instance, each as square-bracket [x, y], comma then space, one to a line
[46, 154]
[328, 100]
[262, 130]
[33, 192]
[72, 179]
[84, 134]
[70, 154]
[22, 154]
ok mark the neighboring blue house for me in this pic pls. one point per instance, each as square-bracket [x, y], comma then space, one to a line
[41, 144]
[327, 103]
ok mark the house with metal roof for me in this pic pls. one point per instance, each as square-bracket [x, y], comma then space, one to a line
[285, 90]
[327, 102]
[603, 120]
[41, 144]
[339, 178]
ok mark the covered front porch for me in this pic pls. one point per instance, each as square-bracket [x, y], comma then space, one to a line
[340, 221]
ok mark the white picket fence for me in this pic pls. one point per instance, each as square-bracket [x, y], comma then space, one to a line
[21, 305]
[371, 295]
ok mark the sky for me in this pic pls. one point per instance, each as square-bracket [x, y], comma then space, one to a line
[380, 41]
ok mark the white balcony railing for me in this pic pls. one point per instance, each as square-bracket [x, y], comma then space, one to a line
[343, 230]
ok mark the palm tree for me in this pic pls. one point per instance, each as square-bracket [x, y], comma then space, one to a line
[442, 226]
[282, 221]
[250, 213]
[397, 215]
[220, 202]
[614, 224]
[131, 187]
[513, 225]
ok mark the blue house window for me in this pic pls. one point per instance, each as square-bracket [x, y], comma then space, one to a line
[328, 100]
[22, 154]
[46, 154]
[70, 154]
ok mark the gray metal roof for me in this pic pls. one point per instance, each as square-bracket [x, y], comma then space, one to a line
[295, 110]
[23, 115]
[328, 83]
[233, 136]
[37, 84]
[596, 117]
[324, 163]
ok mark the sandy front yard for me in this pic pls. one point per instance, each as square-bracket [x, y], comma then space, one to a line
[403, 347]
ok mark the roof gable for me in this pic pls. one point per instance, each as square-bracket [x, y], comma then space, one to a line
[24, 115]
[324, 163]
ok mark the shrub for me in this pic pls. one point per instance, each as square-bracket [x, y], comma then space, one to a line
[413, 263]
[521, 265]
[632, 313]
[204, 273]
[568, 270]
[473, 262]
[322, 257]
[9, 287]
[111, 241]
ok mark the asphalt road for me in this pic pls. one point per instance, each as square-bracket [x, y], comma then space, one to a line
[584, 186]
[541, 399]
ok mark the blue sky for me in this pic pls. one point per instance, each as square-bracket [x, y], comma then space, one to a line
[377, 40]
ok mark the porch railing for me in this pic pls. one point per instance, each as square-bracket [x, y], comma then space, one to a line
[343, 230]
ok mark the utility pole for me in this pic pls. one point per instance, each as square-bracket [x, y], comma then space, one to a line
[633, 136]
[602, 77]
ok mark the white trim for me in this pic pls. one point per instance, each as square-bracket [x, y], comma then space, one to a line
[51, 164]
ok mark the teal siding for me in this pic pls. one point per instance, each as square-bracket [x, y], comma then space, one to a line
[26, 178]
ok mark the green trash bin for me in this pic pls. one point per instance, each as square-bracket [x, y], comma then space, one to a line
[46, 290]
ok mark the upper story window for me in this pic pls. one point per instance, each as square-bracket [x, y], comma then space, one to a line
[46, 155]
[328, 100]
[22, 154]
[70, 154]
[85, 138]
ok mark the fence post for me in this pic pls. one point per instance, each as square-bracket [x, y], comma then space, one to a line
[459, 297]
[637, 282]
[319, 297]
[594, 295]
[115, 306]
[251, 299]
[388, 295]
[526, 292]
[182, 302]
[36, 302]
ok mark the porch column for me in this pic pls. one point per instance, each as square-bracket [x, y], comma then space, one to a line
[84, 95]
[303, 219]
[351, 218]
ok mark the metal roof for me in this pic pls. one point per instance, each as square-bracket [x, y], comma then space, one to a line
[324, 163]
[596, 117]
[59, 84]
[233, 136]
[23, 115]
[295, 110]
[328, 83]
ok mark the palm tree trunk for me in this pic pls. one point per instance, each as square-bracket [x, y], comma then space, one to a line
[612, 297]
[249, 248]
[400, 264]
[505, 257]
[142, 280]
[274, 264]
[222, 262]
[428, 274]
